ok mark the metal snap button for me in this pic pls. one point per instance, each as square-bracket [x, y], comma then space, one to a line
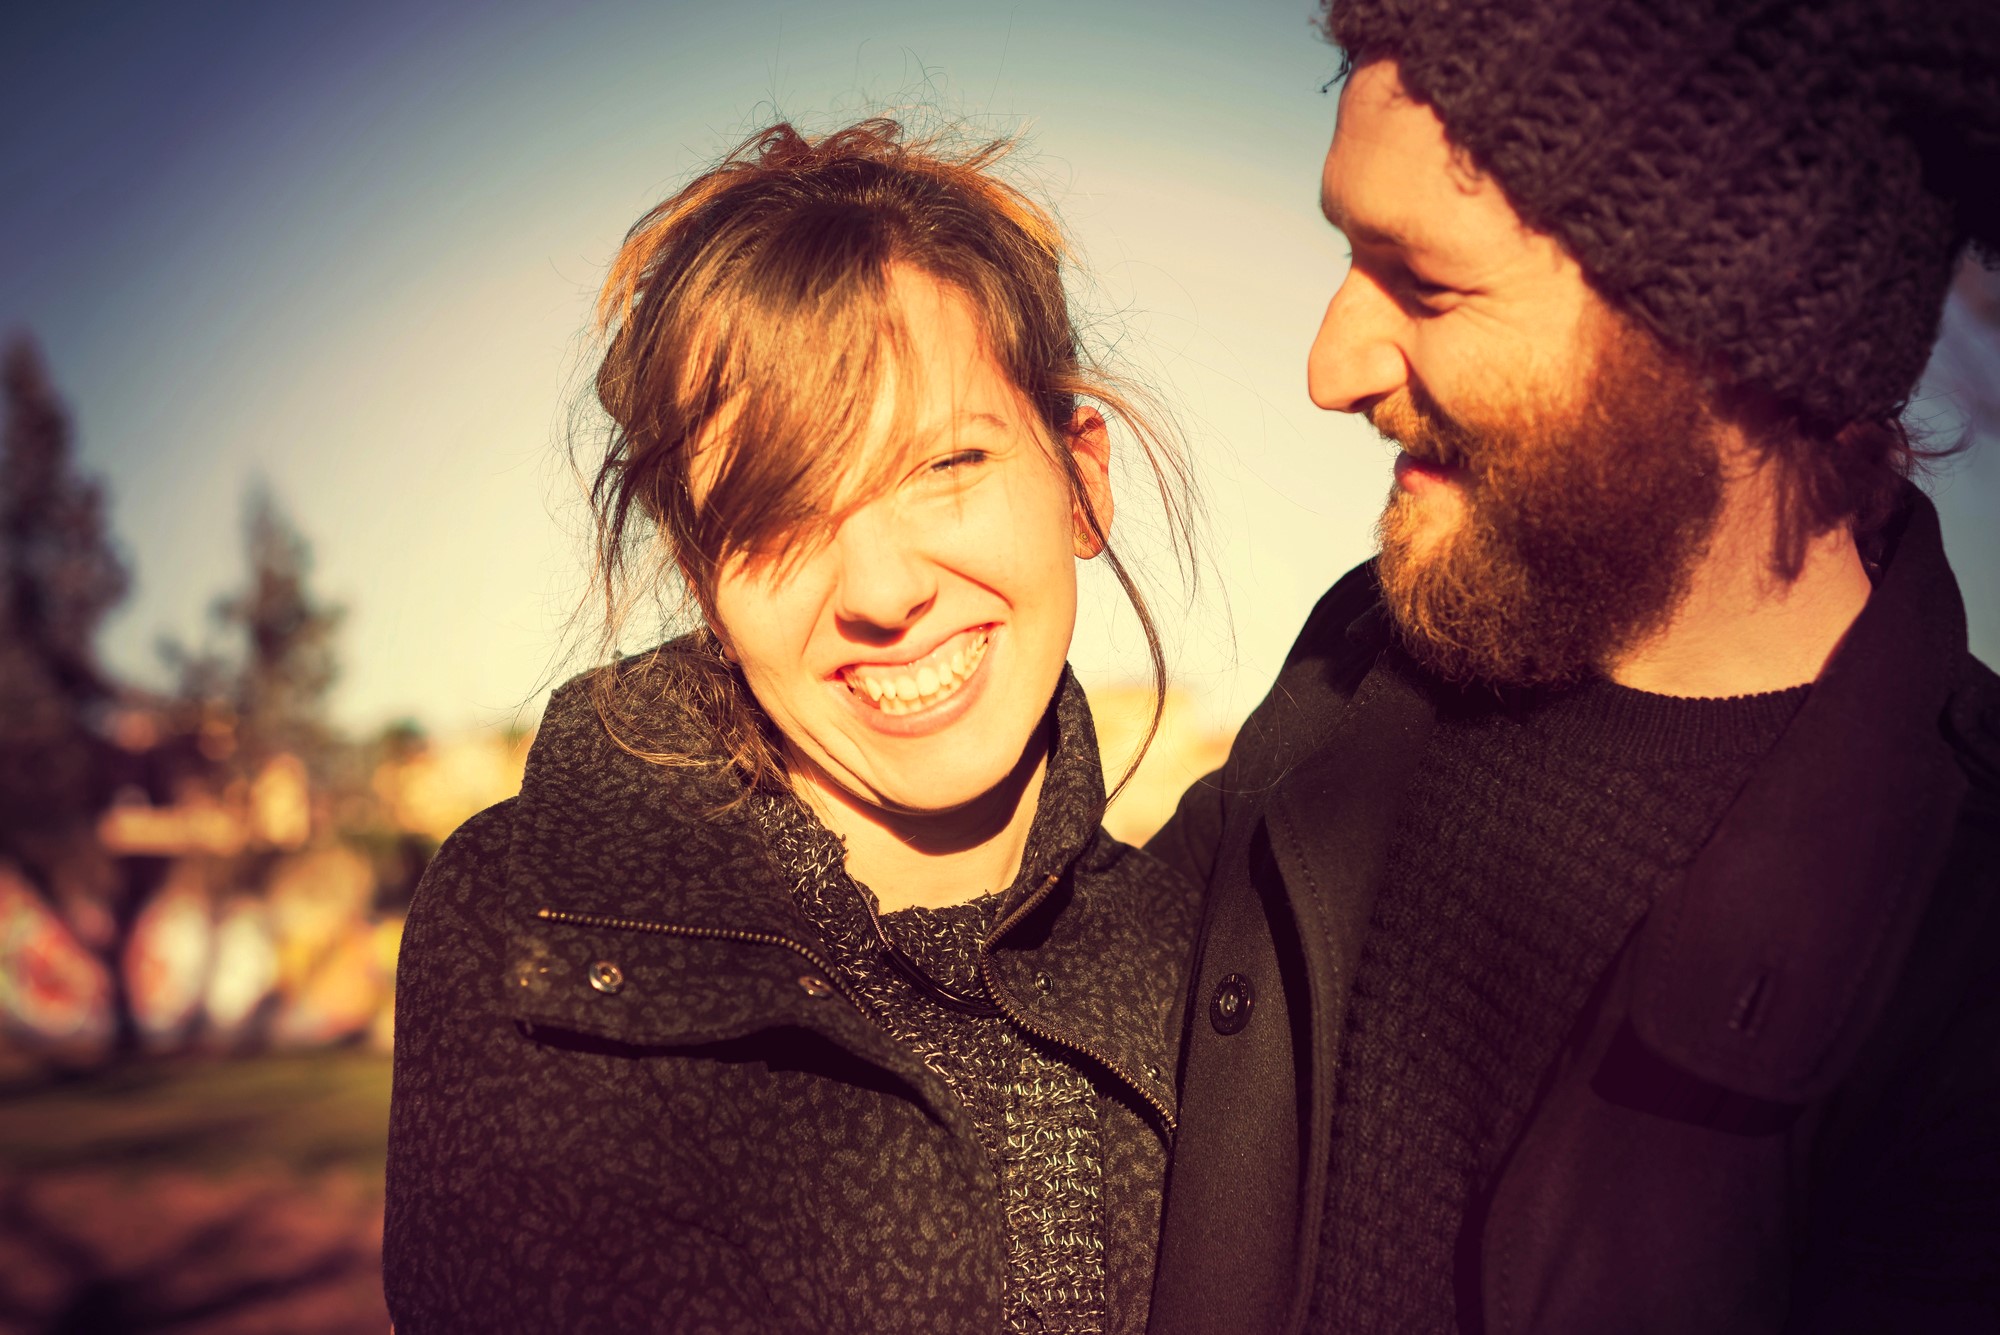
[815, 986]
[1229, 1008]
[606, 977]
[1042, 983]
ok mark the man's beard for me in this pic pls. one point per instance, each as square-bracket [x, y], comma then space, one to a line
[1579, 531]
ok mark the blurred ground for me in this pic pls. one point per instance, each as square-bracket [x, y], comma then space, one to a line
[219, 1197]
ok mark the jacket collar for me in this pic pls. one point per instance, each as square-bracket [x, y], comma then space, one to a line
[602, 836]
[603, 831]
[1763, 971]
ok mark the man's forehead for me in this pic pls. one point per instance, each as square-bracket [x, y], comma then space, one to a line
[1392, 175]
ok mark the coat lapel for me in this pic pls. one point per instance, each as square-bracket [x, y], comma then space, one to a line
[1291, 903]
[1763, 971]
[1330, 822]
[642, 873]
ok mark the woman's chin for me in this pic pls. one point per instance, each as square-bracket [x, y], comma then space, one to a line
[939, 777]
[933, 792]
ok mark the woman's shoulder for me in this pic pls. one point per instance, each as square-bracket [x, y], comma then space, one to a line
[458, 891]
[1132, 864]
[483, 834]
[1159, 901]
[625, 731]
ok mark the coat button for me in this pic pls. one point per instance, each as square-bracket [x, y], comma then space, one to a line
[606, 977]
[815, 986]
[1229, 1008]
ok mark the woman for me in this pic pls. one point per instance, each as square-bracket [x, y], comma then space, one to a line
[799, 988]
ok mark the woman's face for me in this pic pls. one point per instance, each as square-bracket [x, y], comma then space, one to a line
[909, 659]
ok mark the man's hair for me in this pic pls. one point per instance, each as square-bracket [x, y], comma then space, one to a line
[1777, 190]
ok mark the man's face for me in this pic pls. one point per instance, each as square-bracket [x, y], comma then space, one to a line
[1558, 477]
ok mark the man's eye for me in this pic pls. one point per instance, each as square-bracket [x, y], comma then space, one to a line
[1423, 288]
[1399, 280]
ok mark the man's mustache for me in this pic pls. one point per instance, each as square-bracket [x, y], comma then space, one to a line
[1411, 420]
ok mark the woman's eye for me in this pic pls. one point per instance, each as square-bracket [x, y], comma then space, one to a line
[958, 459]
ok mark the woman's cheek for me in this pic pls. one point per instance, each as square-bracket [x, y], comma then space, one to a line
[768, 625]
[1029, 523]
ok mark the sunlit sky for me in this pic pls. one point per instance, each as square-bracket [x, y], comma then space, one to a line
[351, 249]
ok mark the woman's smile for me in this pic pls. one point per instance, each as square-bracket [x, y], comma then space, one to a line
[911, 686]
[926, 695]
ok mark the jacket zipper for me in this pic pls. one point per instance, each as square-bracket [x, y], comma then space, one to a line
[600, 920]
[993, 989]
[1013, 1013]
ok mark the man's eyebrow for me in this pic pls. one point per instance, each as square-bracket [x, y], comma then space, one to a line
[1361, 232]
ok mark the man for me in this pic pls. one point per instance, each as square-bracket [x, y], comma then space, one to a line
[1604, 915]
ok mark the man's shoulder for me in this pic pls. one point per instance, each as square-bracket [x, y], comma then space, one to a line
[1330, 633]
[1340, 641]
[1973, 719]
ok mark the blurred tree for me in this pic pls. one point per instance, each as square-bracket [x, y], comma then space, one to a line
[59, 576]
[288, 635]
[265, 690]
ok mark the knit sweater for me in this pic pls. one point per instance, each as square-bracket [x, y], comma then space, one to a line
[1535, 834]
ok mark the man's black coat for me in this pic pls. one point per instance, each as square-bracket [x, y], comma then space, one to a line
[1780, 1109]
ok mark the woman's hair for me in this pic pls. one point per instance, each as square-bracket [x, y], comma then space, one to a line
[751, 316]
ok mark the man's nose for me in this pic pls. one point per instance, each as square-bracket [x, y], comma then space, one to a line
[1355, 358]
[886, 582]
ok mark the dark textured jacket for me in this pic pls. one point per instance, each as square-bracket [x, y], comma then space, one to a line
[631, 1094]
[1781, 1108]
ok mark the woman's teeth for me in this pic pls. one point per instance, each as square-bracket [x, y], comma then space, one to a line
[908, 687]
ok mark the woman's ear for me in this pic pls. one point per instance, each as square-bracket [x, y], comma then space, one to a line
[1090, 455]
[722, 644]
[708, 616]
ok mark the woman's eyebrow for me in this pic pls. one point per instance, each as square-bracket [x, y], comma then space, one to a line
[958, 421]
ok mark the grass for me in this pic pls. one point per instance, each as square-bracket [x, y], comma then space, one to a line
[304, 1113]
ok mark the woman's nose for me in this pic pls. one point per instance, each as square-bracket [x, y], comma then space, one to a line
[886, 582]
[1355, 359]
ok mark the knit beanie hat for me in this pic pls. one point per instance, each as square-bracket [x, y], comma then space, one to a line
[1779, 189]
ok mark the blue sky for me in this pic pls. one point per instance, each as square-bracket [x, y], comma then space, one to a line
[352, 249]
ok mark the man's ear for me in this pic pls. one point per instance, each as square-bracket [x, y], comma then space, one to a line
[1090, 455]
